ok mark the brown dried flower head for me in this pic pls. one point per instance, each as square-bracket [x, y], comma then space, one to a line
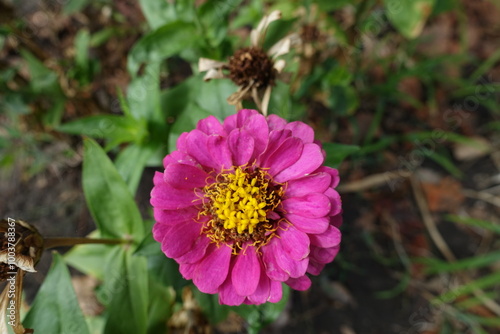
[21, 247]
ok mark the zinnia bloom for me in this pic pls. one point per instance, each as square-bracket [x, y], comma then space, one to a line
[245, 205]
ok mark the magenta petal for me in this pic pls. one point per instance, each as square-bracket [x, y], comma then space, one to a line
[333, 173]
[219, 150]
[241, 145]
[315, 183]
[336, 202]
[315, 268]
[291, 267]
[276, 292]
[302, 131]
[182, 176]
[257, 127]
[275, 122]
[246, 271]
[308, 162]
[323, 255]
[276, 138]
[313, 205]
[187, 270]
[213, 269]
[160, 231]
[261, 294]
[300, 283]
[228, 295]
[273, 270]
[172, 217]
[210, 126]
[167, 197]
[180, 239]
[181, 142]
[197, 147]
[197, 252]
[330, 238]
[180, 158]
[294, 242]
[309, 225]
[284, 156]
[244, 114]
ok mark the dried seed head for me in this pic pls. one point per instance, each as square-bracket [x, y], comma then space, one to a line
[21, 247]
[251, 65]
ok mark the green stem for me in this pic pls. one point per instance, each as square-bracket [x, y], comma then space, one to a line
[61, 242]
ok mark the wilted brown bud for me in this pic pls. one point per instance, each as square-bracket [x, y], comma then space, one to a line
[21, 247]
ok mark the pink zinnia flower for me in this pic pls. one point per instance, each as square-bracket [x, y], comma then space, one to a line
[246, 205]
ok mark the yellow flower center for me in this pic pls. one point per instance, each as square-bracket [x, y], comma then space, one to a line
[238, 204]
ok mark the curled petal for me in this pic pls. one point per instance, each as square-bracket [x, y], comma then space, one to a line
[300, 283]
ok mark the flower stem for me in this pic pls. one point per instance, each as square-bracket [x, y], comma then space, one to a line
[61, 242]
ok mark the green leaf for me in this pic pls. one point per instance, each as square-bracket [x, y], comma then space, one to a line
[259, 316]
[409, 16]
[130, 164]
[490, 226]
[336, 153]
[55, 309]
[185, 122]
[161, 302]
[108, 198]
[210, 306]
[158, 13]
[143, 94]
[89, 258]
[434, 266]
[42, 79]
[127, 290]
[116, 129]
[74, 6]
[164, 42]
[480, 283]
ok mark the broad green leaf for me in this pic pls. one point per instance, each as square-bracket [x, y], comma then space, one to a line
[166, 41]
[127, 290]
[110, 202]
[143, 94]
[55, 309]
[409, 16]
[343, 100]
[89, 259]
[158, 13]
[336, 153]
[184, 123]
[116, 129]
[161, 302]
[130, 164]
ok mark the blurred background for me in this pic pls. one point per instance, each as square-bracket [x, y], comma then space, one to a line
[410, 89]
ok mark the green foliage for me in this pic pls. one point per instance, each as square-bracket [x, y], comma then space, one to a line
[409, 16]
[57, 298]
[110, 202]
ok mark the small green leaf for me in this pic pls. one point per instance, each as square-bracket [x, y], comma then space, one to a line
[164, 42]
[42, 79]
[55, 309]
[336, 153]
[108, 198]
[161, 302]
[259, 316]
[210, 306]
[409, 16]
[74, 6]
